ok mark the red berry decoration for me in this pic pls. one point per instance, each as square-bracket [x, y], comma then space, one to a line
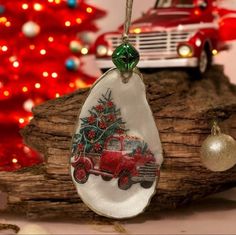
[97, 147]
[102, 125]
[80, 147]
[91, 134]
[91, 119]
[111, 117]
[99, 108]
[110, 104]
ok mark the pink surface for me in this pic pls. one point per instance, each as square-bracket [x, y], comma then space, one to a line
[214, 215]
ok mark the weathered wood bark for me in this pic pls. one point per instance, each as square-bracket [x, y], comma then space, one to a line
[183, 109]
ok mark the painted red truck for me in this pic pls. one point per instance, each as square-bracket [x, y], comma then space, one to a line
[122, 158]
[175, 33]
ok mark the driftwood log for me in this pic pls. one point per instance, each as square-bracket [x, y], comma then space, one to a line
[183, 109]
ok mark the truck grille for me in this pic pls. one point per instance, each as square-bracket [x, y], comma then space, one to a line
[148, 172]
[155, 45]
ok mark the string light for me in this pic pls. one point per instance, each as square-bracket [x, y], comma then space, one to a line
[50, 39]
[4, 48]
[38, 7]
[57, 1]
[32, 47]
[8, 24]
[21, 120]
[37, 85]
[6, 93]
[25, 89]
[45, 74]
[43, 52]
[89, 10]
[67, 23]
[12, 59]
[14, 160]
[25, 6]
[16, 64]
[78, 20]
[54, 75]
[57, 95]
[3, 19]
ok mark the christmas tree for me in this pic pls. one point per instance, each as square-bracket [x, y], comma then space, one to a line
[40, 49]
[104, 121]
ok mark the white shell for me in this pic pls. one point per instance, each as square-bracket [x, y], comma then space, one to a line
[103, 197]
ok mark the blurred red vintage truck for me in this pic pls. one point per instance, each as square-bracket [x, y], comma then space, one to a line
[175, 33]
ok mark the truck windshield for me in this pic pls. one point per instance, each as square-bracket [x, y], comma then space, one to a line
[174, 3]
[131, 145]
[114, 145]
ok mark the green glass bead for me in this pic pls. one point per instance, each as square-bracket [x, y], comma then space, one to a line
[125, 57]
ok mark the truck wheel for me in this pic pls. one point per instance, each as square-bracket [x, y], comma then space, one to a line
[80, 174]
[106, 178]
[124, 181]
[146, 184]
[204, 62]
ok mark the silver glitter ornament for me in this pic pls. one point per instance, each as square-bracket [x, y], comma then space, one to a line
[218, 151]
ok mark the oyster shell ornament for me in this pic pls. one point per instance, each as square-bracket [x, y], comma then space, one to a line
[116, 151]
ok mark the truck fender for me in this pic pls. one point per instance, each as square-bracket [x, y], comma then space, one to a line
[204, 41]
[87, 162]
[125, 166]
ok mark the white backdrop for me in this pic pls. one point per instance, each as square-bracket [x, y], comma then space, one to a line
[115, 16]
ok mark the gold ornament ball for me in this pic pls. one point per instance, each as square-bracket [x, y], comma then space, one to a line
[218, 152]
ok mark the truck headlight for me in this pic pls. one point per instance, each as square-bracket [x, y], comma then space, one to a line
[185, 51]
[102, 50]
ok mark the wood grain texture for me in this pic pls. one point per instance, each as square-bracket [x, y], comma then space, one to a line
[183, 109]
